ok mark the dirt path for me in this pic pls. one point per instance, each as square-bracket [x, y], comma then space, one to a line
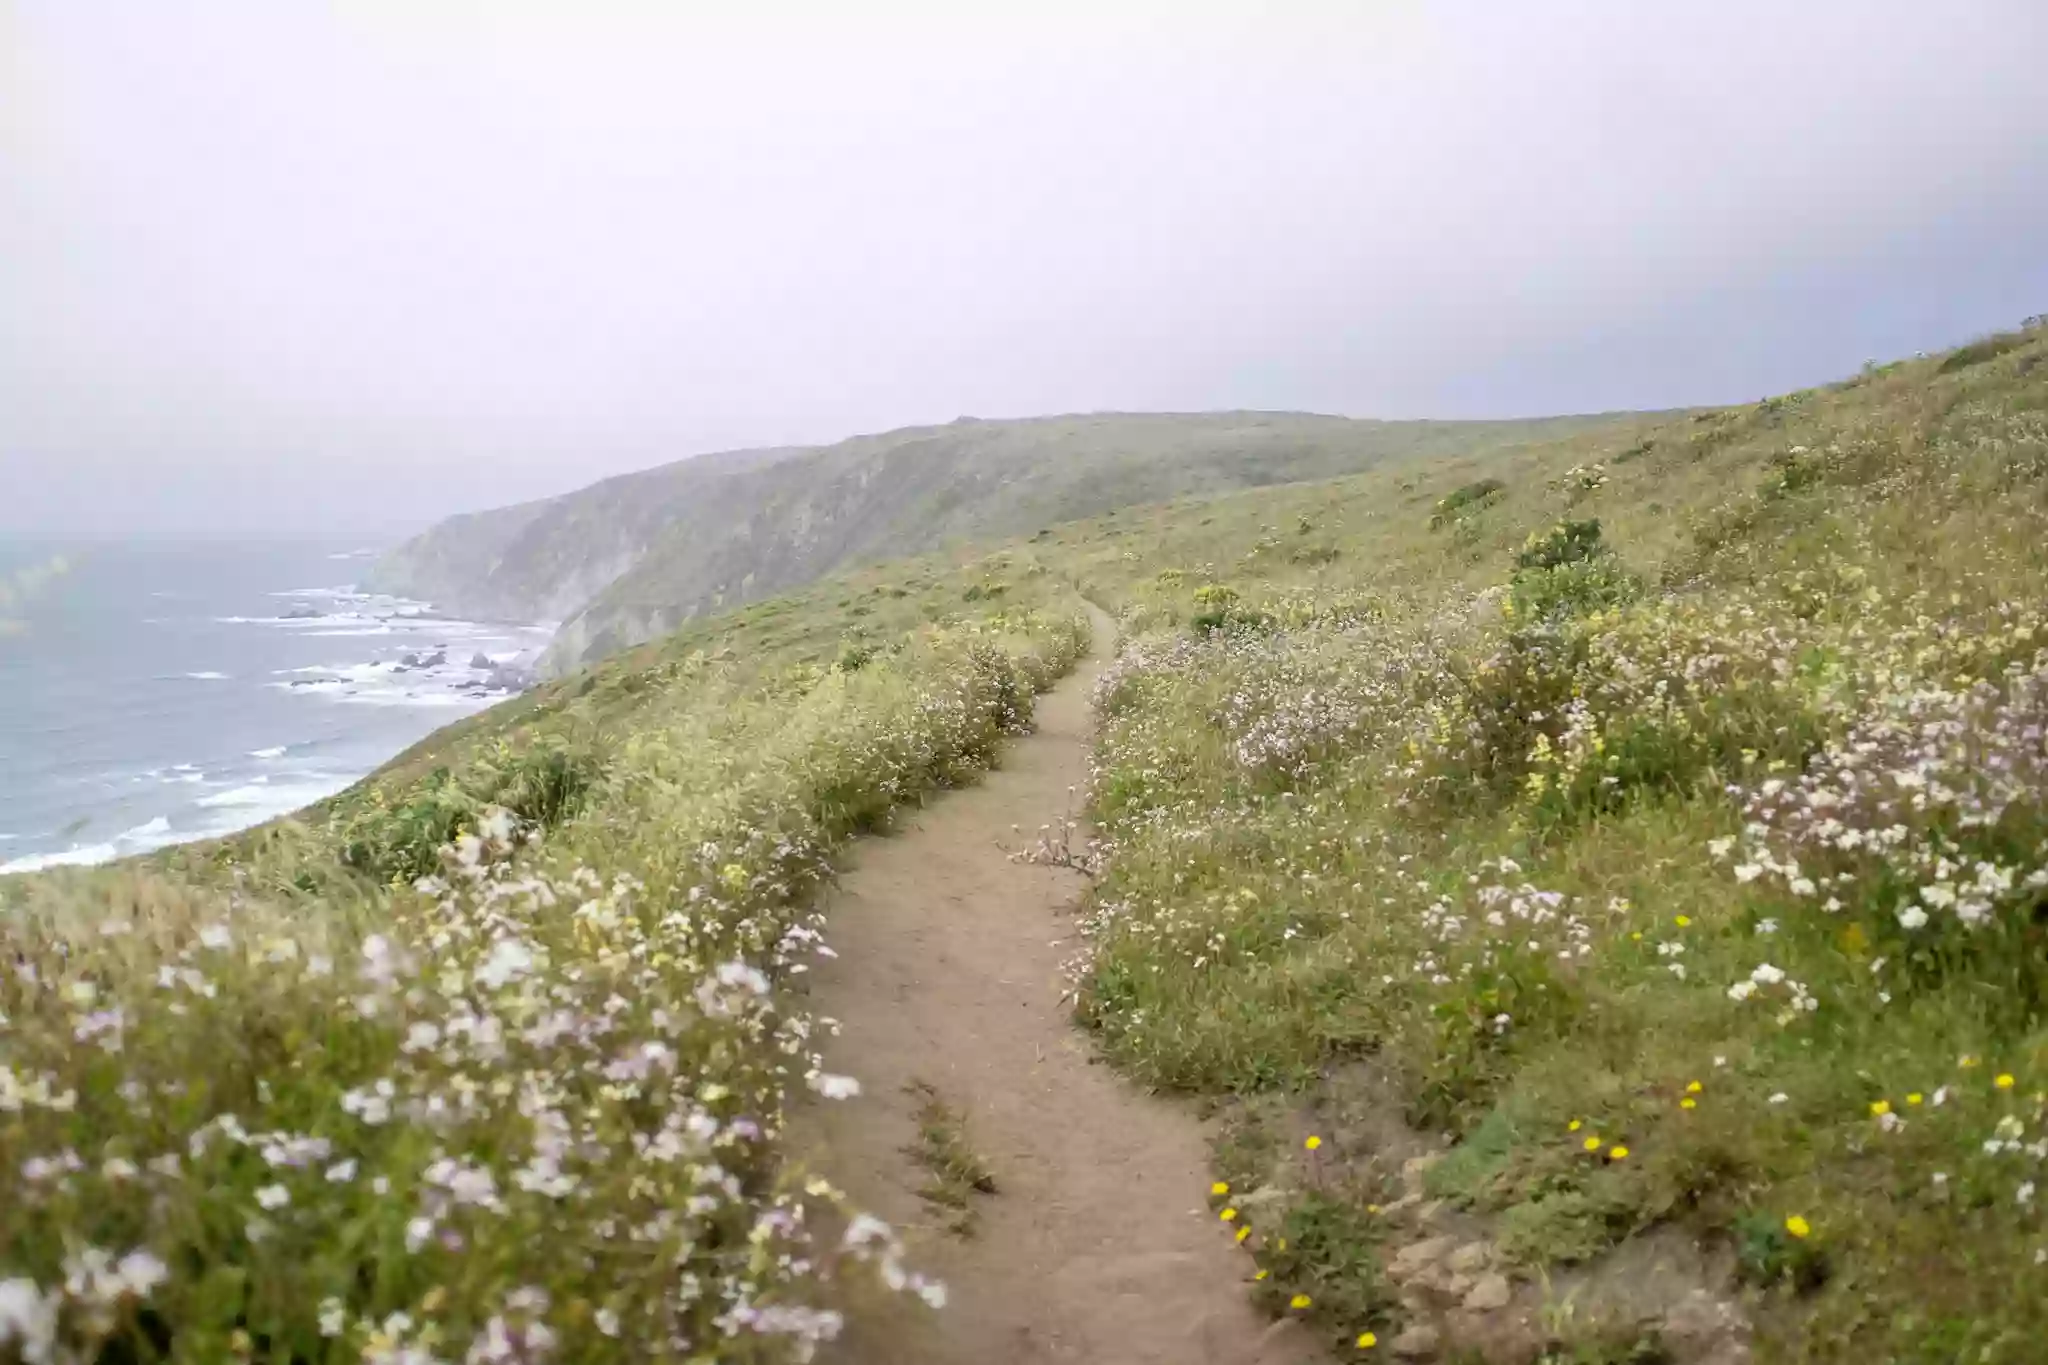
[1097, 1245]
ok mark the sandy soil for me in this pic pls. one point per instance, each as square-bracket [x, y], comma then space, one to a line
[1097, 1245]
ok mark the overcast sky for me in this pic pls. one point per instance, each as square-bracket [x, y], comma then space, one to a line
[314, 263]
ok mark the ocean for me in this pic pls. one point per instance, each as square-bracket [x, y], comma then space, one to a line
[152, 693]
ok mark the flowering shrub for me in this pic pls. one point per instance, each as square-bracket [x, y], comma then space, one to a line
[526, 1108]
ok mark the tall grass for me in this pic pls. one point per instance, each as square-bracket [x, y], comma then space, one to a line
[506, 1078]
[1675, 838]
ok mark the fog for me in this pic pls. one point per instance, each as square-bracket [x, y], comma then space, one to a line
[356, 265]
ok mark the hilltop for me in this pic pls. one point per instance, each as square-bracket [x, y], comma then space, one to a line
[631, 558]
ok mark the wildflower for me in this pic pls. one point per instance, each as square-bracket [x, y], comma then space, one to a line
[1688, 1103]
[1913, 1098]
[1966, 1061]
[273, 1197]
[1261, 1274]
[1592, 1144]
[28, 1319]
[1574, 1126]
[1683, 921]
[2003, 1080]
[1312, 1143]
[1879, 1108]
[1798, 1226]
[1693, 1088]
[1617, 1153]
[835, 1087]
[1221, 1187]
[1244, 1231]
[1228, 1215]
[1299, 1301]
[1366, 1341]
[1779, 1098]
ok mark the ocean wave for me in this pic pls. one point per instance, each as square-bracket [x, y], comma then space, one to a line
[207, 675]
[254, 794]
[275, 751]
[82, 856]
[148, 830]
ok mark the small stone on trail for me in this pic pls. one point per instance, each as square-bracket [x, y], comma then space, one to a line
[1417, 1343]
[1492, 1292]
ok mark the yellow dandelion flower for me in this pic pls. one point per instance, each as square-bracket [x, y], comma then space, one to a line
[1228, 1215]
[1573, 1126]
[1694, 1088]
[2003, 1080]
[1617, 1153]
[1688, 1103]
[1592, 1144]
[1313, 1142]
[1220, 1187]
[1637, 936]
[1244, 1232]
[1879, 1108]
[1683, 921]
[1372, 1208]
[1299, 1301]
[1797, 1226]
[1262, 1274]
[1366, 1341]
[1914, 1098]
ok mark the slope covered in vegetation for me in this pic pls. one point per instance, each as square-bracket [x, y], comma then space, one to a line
[629, 559]
[1580, 872]
[1659, 831]
[484, 1060]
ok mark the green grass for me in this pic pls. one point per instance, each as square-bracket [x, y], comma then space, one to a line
[957, 1172]
[1646, 819]
[490, 1044]
[1602, 790]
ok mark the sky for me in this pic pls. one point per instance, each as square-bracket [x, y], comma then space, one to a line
[298, 265]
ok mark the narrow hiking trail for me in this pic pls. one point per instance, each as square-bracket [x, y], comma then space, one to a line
[1097, 1245]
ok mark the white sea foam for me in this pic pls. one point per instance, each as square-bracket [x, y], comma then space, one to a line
[144, 832]
[276, 751]
[250, 795]
[207, 675]
[77, 856]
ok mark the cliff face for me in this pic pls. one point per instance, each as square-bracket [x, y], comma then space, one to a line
[634, 557]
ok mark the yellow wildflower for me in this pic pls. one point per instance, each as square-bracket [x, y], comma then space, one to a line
[1573, 1126]
[1688, 1103]
[1913, 1098]
[1228, 1215]
[1262, 1274]
[1617, 1153]
[1299, 1301]
[1220, 1187]
[1313, 1142]
[2004, 1080]
[1694, 1088]
[1966, 1061]
[1366, 1341]
[1797, 1226]
[1684, 921]
[1592, 1144]
[1244, 1232]
[1879, 1108]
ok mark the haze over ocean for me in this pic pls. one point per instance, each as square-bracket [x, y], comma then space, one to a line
[163, 691]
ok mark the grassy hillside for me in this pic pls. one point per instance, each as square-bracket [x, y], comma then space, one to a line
[1599, 882]
[1622, 868]
[631, 559]
[484, 1059]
